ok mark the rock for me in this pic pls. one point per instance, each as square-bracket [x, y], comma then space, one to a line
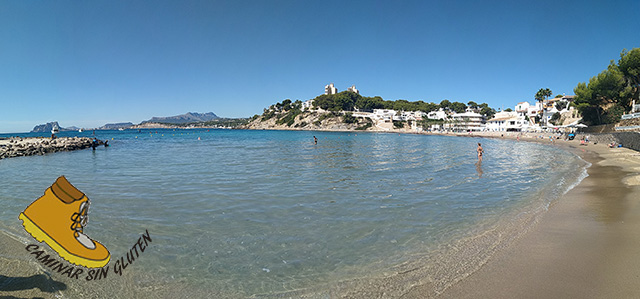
[30, 146]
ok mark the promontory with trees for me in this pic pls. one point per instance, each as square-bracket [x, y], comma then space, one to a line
[339, 112]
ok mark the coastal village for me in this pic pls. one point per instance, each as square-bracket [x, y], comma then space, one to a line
[555, 114]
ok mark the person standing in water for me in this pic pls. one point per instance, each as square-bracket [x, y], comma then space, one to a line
[480, 152]
[315, 140]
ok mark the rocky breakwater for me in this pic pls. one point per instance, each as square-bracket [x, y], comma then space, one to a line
[17, 147]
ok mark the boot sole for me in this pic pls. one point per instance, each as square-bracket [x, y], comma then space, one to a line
[37, 233]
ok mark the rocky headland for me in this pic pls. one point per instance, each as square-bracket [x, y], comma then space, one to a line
[17, 147]
[318, 121]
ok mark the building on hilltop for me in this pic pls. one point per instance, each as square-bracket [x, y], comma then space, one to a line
[330, 89]
[353, 89]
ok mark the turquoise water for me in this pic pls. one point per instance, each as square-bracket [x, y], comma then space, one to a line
[264, 212]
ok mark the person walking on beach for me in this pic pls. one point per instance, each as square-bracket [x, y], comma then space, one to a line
[480, 152]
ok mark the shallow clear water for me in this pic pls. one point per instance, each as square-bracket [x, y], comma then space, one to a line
[255, 212]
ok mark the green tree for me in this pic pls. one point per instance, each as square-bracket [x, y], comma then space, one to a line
[487, 111]
[348, 118]
[629, 65]
[555, 118]
[444, 104]
[607, 88]
[398, 124]
[369, 103]
[428, 107]
[560, 105]
[285, 105]
[542, 95]
[458, 107]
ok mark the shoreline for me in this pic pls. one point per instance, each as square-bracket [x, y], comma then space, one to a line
[581, 247]
[585, 246]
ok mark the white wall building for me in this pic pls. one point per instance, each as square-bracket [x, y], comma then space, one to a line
[508, 121]
[440, 114]
[307, 104]
[468, 121]
[522, 108]
[353, 89]
[384, 115]
[409, 115]
[330, 89]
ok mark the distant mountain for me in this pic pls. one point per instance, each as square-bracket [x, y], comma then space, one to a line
[115, 126]
[190, 117]
[47, 128]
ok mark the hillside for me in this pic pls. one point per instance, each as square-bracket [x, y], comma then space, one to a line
[322, 121]
[190, 117]
[305, 121]
[116, 126]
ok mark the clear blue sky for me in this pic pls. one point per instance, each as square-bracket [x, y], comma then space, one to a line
[87, 63]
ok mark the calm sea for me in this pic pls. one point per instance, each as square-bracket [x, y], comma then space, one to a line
[242, 213]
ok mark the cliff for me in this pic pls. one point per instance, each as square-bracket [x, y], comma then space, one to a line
[48, 127]
[316, 120]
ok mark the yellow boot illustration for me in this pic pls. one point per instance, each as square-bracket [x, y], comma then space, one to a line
[57, 218]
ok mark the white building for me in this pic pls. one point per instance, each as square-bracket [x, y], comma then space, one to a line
[409, 115]
[508, 121]
[307, 104]
[330, 89]
[440, 114]
[635, 111]
[353, 89]
[522, 108]
[569, 99]
[384, 115]
[468, 121]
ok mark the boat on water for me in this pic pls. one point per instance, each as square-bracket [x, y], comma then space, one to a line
[120, 129]
[55, 129]
[80, 130]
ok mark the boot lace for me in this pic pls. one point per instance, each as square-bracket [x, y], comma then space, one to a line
[80, 218]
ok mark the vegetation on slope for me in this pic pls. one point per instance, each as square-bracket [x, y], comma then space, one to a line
[609, 94]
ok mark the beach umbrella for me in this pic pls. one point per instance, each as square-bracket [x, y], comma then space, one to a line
[581, 126]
